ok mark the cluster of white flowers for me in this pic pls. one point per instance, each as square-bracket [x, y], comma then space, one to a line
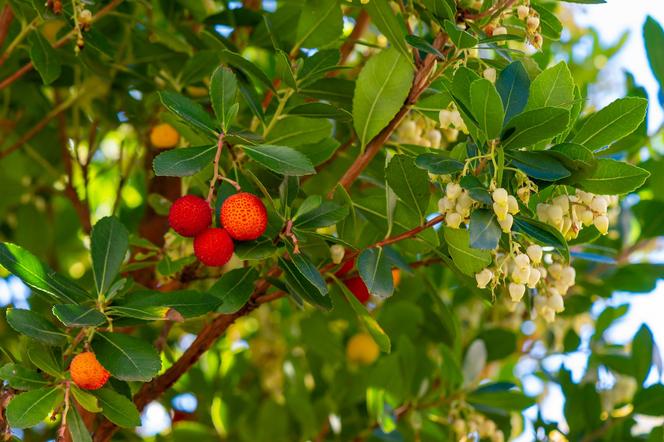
[476, 427]
[505, 206]
[451, 123]
[570, 213]
[532, 20]
[418, 130]
[456, 205]
[531, 270]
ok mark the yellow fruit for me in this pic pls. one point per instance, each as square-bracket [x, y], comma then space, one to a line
[164, 136]
[362, 349]
[396, 277]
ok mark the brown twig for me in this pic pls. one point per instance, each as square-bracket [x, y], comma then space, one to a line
[63, 41]
[361, 24]
[421, 81]
[63, 430]
[217, 157]
[6, 18]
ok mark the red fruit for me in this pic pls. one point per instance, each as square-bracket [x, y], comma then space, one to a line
[359, 289]
[87, 372]
[214, 247]
[244, 216]
[345, 268]
[190, 215]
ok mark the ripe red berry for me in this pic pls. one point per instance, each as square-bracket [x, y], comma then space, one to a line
[359, 289]
[244, 216]
[214, 247]
[346, 267]
[190, 215]
[87, 372]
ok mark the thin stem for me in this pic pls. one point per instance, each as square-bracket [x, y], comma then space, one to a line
[277, 113]
[215, 177]
[17, 40]
[62, 431]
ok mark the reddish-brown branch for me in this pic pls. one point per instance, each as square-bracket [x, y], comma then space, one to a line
[217, 157]
[6, 18]
[420, 83]
[361, 24]
[63, 41]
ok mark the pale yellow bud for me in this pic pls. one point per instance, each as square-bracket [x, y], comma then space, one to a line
[337, 252]
[532, 23]
[587, 217]
[534, 252]
[435, 138]
[500, 195]
[516, 291]
[521, 275]
[522, 260]
[512, 205]
[483, 278]
[602, 224]
[506, 224]
[524, 194]
[500, 211]
[534, 278]
[453, 220]
[523, 11]
[500, 30]
[563, 202]
[445, 204]
[556, 302]
[600, 204]
[453, 190]
[490, 74]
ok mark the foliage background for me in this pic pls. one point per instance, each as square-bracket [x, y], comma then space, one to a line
[255, 397]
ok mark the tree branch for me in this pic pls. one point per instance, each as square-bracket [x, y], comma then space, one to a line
[63, 41]
[6, 18]
[361, 24]
[420, 83]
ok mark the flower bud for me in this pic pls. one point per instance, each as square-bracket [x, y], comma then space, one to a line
[445, 118]
[534, 278]
[337, 252]
[522, 260]
[483, 278]
[500, 30]
[533, 23]
[445, 204]
[523, 11]
[556, 302]
[490, 74]
[500, 211]
[453, 220]
[516, 291]
[506, 224]
[500, 195]
[452, 190]
[512, 205]
[435, 138]
[524, 194]
[602, 224]
[534, 252]
[600, 204]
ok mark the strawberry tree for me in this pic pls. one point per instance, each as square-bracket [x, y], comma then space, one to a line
[322, 220]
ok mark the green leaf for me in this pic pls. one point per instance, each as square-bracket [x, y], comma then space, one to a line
[500, 343]
[484, 230]
[299, 286]
[85, 399]
[223, 95]
[476, 189]
[375, 269]
[77, 429]
[190, 112]
[294, 131]
[613, 177]
[318, 65]
[185, 161]
[310, 272]
[553, 87]
[374, 328]
[550, 26]
[320, 151]
[576, 158]
[284, 69]
[148, 313]
[441, 9]
[188, 303]
[320, 24]
[255, 250]
[45, 59]
[280, 159]
[30, 408]
[531, 127]
[460, 38]
[73, 315]
[35, 326]
[382, 88]
[38, 275]
[612, 123]
[438, 164]
[469, 260]
[513, 87]
[389, 24]
[541, 233]
[409, 182]
[234, 289]
[45, 359]
[320, 110]
[649, 401]
[109, 244]
[117, 408]
[504, 401]
[538, 164]
[653, 36]
[327, 214]
[423, 46]
[126, 357]
[487, 107]
[642, 353]
[21, 378]
[336, 90]
[250, 69]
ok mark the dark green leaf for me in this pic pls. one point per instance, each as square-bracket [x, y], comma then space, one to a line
[327, 214]
[553, 87]
[438, 164]
[320, 24]
[126, 357]
[513, 86]
[642, 353]
[424, 46]
[117, 408]
[538, 164]
[73, 315]
[389, 24]
[109, 244]
[244, 65]
[45, 59]
[653, 36]
[35, 326]
[190, 112]
[320, 110]
[185, 161]
[484, 230]
[541, 233]
[469, 260]
[77, 429]
[613, 177]
[504, 401]
[531, 127]
[649, 401]
[188, 303]
[409, 182]
[487, 107]
[301, 287]
[45, 358]
[38, 275]
[375, 270]
[460, 38]
[280, 159]
[476, 189]
[32, 407]
[22, 378]
[234, 289]
[294, 131]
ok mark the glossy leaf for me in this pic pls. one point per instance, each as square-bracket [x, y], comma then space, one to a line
[469, 260]
[73, 315]
[234, 289]
[109, 244]
[280, 159]
[35, 326]
[32, 407]
[484, 230]
[375, 269]
[185, 161]
[126, 357]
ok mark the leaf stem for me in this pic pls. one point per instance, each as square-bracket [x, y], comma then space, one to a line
[215, 177]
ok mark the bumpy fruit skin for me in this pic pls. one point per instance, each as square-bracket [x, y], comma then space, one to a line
[359, 289]
[87, 372]
[362, 349]
[164, 136]
[244, 216]
[214, 247]
[190, 215]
